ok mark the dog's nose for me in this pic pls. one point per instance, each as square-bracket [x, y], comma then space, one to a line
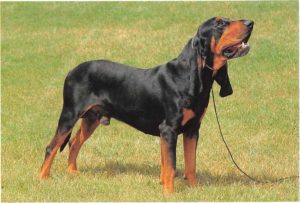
[249, 23]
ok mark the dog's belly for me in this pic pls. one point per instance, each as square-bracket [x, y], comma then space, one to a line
[146, 121]
[145, 125]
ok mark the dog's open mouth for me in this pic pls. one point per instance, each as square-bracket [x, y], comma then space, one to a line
[237, 50]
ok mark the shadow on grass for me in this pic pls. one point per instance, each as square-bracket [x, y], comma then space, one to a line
[113, 168]
[207, 178]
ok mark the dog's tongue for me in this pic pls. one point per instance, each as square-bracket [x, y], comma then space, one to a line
[241, 50]
[237, 46]
[241, 45]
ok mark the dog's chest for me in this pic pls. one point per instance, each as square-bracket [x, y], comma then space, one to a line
[196, 113]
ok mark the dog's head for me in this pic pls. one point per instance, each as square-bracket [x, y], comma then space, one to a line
[220, 39]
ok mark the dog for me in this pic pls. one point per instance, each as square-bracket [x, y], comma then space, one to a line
[165, 101]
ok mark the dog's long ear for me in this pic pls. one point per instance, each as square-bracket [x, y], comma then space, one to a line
[195, 71]
[222, 79]
[196, 86]
[195, 42]
[200, 51]
[204, 46]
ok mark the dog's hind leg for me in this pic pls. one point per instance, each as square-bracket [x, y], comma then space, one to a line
[89, 123]
[66, 123]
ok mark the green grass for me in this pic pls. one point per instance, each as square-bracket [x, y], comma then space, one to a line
[41, 42]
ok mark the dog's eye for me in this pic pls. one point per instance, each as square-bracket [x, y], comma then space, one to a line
[221, 24]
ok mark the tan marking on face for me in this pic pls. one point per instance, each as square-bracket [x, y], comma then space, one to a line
[219, 61]
[218, 19]
[233, 34]
[213, 44]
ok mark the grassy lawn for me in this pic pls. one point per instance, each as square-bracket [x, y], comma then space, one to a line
[41, 42]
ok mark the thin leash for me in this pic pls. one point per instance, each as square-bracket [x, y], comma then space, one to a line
[233, 160]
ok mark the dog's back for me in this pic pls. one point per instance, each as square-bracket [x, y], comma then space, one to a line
[123, 92]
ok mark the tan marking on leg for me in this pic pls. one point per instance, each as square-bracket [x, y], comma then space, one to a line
[161, 167]
[190, 145]
[45, 170]
[55, 144]
[74, 150]
[82, 135]
[168, 170]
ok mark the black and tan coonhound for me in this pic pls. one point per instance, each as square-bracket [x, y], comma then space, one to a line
[164, 101]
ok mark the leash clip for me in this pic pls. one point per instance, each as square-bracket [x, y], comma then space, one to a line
[205, 65]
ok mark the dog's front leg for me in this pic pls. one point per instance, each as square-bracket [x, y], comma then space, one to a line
[168, 140]
[189, 145]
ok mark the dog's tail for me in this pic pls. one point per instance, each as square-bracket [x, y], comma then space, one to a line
[65, 142]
